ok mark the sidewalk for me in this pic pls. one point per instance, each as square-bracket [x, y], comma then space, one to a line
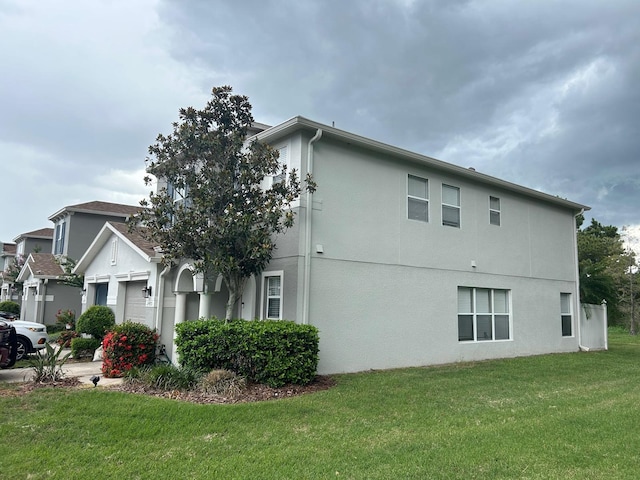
[83, 370]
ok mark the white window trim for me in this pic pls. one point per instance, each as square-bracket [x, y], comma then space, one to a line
[114, 251]
[420, 199]
[494, 210]
[569, 314]
[451, 206]
[263, 294]
[493, 314]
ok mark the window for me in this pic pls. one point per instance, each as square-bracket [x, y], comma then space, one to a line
[418, 198]
[483, 314]
[494, 211]
[272, 295]
[101, 293]
[58, 247]
[565, 314]
[450, 206]
[283, 160]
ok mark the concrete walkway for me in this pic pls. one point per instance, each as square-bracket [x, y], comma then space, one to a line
[83, 370]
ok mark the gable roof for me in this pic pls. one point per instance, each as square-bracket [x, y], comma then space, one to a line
[300, 123]
[43, 233]
[99, 208]
[40, 265]
[133, 239]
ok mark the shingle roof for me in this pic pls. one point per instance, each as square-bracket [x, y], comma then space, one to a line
[100, 208]
[44, 233]
[9, 248]
[136, 238]
[44, 265]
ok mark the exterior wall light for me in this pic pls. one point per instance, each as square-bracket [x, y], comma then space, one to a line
[146, 292]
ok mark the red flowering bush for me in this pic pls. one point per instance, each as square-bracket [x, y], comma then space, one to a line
[126, 346]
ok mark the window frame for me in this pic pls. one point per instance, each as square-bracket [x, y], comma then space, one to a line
[451, 206]
[566, 315]
[281, 177]
[495, 212]
[415, 198]
[494, 316]
[265, 297]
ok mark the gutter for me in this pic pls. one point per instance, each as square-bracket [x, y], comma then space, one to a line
[307, 235]
[577, 302]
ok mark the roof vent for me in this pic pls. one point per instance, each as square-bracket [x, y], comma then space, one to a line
[472, 169]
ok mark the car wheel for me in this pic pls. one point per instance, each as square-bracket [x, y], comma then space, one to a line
[22, 349]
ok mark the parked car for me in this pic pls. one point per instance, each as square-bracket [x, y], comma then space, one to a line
[31, 336]
[8, 344]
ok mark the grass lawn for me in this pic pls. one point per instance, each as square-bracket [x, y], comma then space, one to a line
[555, 416]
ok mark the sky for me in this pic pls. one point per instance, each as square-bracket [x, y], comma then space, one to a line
[540, 93]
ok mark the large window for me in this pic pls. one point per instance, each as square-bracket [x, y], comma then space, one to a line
[272, 295]
[283, 161]
[483, 314]
[494, 211]
[418, 198]
[565, 314]
[58, 247]
[450, 206]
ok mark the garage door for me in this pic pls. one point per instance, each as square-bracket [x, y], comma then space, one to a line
[134, 307]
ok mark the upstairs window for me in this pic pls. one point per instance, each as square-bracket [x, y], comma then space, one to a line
[565, 314]
[283, 161]
[418, 198]
[450, 206]
[58, 247]
[483, 314]
[494, 211]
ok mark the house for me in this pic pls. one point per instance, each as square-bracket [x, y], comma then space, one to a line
[15, 254]
[402, 260]
[75, 227]
[120, 269]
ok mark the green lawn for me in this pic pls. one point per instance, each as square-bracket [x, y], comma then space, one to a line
[556, 416]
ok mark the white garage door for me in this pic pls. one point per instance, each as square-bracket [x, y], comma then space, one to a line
[134, 307]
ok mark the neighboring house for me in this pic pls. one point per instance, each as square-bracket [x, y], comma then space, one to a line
[7, 259]
[75, 227]
[120, 269]
[25, 243]
[403, 260]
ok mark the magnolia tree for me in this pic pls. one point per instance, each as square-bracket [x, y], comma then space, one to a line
[214, 207]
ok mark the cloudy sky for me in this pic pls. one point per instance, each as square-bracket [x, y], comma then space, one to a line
[541, 93]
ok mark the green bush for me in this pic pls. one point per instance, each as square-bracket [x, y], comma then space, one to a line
[84, 347]
[65, 337]
[9, 306]
[96, 321]
[274, 353]
[164, 377]
[127, 346]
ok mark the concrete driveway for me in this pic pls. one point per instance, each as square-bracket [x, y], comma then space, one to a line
[83, 370]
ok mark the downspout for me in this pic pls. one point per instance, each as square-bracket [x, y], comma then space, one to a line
[160, 305]
[577, 302]
[307, 234]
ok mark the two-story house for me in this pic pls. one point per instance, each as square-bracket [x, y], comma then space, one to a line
[399, 259]
[75, 226]
[15, 255]
[7, 260]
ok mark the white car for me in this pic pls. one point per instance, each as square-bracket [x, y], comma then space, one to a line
[31, 336]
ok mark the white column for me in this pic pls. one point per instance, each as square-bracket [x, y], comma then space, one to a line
[179, 317]
[204, 306]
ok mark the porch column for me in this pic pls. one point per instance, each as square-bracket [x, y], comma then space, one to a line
[179, 317]
[204, 306]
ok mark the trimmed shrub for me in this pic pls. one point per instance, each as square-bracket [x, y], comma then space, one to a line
[84, 347]
[128, 345]
[66, 319]
[96, 321]
[10, 307]
[274, 353]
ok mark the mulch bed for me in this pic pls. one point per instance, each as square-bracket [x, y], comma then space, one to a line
[252, 392]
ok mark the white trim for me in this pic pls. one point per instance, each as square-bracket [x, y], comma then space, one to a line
[133, 276]
[97, 278]
[264, 298]
[114, 251]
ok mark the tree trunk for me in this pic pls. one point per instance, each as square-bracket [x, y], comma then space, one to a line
[235, 284]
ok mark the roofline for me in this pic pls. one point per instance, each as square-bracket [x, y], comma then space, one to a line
[302, 123]
[101, 239]
[71, 208]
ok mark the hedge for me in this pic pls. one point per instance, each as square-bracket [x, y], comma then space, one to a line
[271, 352]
